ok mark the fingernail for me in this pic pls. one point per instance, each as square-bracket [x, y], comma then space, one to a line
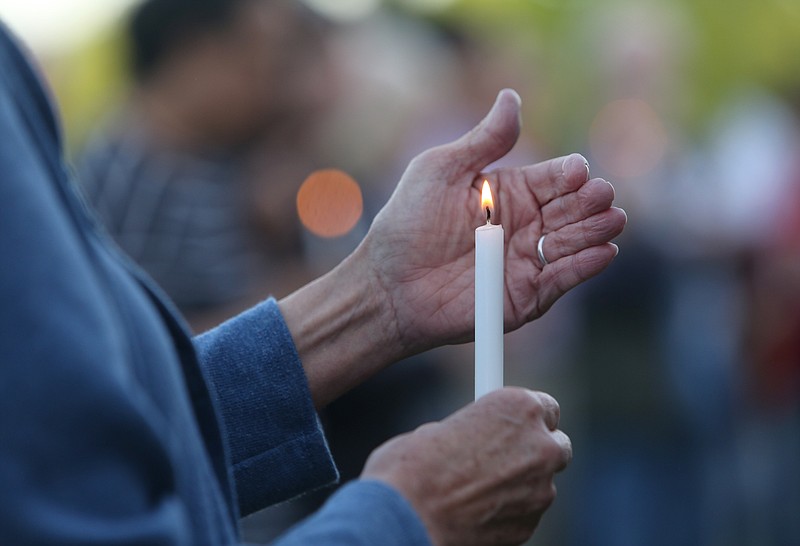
[572, 159]
[514, 94]
[588, 173]
[616, 249]
[517, 99]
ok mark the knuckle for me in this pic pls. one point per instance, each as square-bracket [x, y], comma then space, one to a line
[514, 397]
[547, 409]
[550, 494]
[566, 447]
[532, 407]
[426, 426]
[432, 157]
[552, 452]
[529, 404]
[426, 429]
[555, 453]
[544, 496]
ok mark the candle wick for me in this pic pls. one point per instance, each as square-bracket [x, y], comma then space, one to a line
[488, 215]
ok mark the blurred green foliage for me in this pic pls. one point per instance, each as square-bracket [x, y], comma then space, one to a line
[717, 46]
[725, 45]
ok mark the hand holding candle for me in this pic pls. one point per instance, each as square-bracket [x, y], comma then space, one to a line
[489, 270]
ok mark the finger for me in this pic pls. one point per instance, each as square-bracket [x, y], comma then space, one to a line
[555, 177]
[565, 450]
[551, 411]
[488, 141]
[595, 230]
[594, 196]
[567, 273]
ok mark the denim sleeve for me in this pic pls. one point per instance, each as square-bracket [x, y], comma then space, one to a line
[362, 513]
[277, 445]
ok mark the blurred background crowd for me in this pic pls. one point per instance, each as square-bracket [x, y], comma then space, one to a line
[240, 148]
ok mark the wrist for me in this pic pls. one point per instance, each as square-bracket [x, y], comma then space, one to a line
[343, 326]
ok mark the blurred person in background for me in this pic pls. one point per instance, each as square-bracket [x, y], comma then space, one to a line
[631, 419]
[758, 137]
[171, 176]
[665, 347]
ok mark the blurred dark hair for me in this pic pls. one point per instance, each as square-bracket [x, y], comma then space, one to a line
[158, 27]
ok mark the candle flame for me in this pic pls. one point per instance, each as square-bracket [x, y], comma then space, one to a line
[487, 203]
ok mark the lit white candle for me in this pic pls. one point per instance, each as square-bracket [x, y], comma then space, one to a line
[488, 300]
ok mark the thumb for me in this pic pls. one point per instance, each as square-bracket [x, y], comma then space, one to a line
[492, 138]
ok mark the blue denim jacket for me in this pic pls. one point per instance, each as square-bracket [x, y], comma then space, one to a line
[116, 427]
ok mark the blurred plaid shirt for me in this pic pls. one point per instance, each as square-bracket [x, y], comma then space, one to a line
[178, 216]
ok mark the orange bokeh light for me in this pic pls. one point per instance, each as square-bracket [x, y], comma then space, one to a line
[329, 203]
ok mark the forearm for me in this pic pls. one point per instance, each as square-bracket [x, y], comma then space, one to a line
[343, 328]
